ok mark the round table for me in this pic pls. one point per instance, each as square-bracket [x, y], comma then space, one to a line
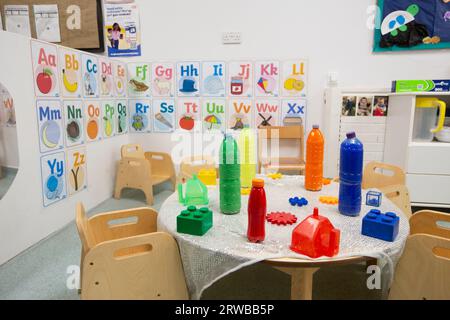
[225, 249]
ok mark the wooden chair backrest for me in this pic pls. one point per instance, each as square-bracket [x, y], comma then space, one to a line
[193, 164]
[134, 151]
[399, 195]
[430, 222]
[84, 231]
[267, 134]
[160, 162]
[375, 179]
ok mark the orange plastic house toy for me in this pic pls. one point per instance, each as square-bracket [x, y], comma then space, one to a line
[315, 237]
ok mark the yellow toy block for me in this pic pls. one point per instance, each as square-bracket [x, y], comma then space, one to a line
[275, 176]
[208, 176]
[328, 200]
[245, 191]
[326, 181]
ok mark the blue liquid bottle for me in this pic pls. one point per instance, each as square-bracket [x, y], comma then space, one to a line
[350, 175]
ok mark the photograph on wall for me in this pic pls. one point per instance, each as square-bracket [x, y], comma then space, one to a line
[92, 113]
[122, 30]
[267, 77]
[138, 79]
[380, 106]
[50, 130]
[240, 114]
[140, 116]
[348, 106]
[267, 113]
[294, 78]
[70, 72]
[7, 112]
[120, 78]
[108, 119]
[53, 174]
[293, 112]
[46, 20]
[122, 116]
[45, 69]
[106, 78]
[240, 78]
[364, 106]
[412, 25]
[163, 115]
[163, 79]
[189, 115]
[213, 79]
[73, 122]
[90, 75]
[188, 79]
[214, 115]
[76, 170]
[17, 19]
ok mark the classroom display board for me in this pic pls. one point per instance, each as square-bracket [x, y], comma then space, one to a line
[82, 98]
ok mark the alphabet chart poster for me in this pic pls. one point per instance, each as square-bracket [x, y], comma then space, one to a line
[240, 114]
[70, 73]
[163, 79]
[50, 129]
[53, 175]
[267, 75]
[106, 78]
[293, 111]
[90, 76]
[120, 78]
[189, 115]
[108, 118]
[294, 78]
[267, 112]
[188, 79]
[73, 122]
[240, 78]
[214, 115]
[139, 79]
[213, 79]
[76, 170]
[164, 115]
[140, 116]
[92, 112]
[122, 116]
[45, 69]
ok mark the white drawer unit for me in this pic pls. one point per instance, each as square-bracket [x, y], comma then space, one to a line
[433, 190]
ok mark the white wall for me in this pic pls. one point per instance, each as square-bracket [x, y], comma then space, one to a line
[9, 153]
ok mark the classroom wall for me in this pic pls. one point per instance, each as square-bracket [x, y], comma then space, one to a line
[9, 154]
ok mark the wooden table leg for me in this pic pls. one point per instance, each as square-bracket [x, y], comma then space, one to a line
[301, 282]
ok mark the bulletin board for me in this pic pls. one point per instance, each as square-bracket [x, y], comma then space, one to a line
[412, 25]
[80, 21]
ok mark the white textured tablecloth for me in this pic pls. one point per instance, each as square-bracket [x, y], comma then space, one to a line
[224, 248]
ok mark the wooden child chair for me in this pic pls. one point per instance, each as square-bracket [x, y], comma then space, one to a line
[142, 171]
[399, 195]
[376, 179]
[124, 257]
[423, 271]
[267, 136]
[193, 164]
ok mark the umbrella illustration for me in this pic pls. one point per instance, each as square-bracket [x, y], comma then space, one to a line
[212, 119]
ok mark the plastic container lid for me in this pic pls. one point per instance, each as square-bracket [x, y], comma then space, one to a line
[258, 183]
[315, 126]
[351, 135]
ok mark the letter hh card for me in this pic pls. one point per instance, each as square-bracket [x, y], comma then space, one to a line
[138, 79]
[214, 115]
[109, 119]
[106, 77]
[188, 79]
[76, 170]
[240, 114]
[53, 167]
[140, 116]
[122, 116]
[294, 78]
[267, 113]
[189, 114]
[70, 73]
[164, 115]
[213, 79]
[73, 122]
[45, 69]
[163, 79]
[120, 78]
[293, 111]
[267, 76]
[240, 79]
[90, 75]
[50, 130]
[92, 113]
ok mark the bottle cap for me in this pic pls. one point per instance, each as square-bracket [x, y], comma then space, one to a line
[258, 183]
[315, 126]
[351, 135]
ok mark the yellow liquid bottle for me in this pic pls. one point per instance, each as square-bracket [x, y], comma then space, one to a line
[246, 144]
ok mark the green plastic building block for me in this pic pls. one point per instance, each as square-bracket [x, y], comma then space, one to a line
[194, 221]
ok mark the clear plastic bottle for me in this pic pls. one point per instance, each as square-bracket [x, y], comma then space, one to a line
[246, 144]
[229, 176]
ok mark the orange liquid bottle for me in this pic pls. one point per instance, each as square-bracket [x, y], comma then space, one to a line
[314, 160]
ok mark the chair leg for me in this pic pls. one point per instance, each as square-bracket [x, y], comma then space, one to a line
[149, 195]
[173, 180]
[117, 191]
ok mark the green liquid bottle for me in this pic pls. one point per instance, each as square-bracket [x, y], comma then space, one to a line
[248, 163]
[230, 176]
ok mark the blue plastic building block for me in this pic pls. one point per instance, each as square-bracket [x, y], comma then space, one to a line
[373, 198]
[381, 226]
[194, 222]
[296, 201]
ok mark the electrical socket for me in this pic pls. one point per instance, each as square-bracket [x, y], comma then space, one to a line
[231, 38]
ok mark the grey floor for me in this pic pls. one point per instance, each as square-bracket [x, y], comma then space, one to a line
[41, 271]
[6, 179]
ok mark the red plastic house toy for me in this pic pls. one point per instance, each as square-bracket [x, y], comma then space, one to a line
[315, 237]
